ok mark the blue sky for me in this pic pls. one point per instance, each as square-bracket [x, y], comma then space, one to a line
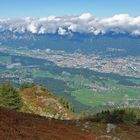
[43, 8]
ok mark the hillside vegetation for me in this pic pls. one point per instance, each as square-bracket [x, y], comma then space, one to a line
[118, 116]
[16, 125]
[35, 99]
[23, 126]
[9, 97]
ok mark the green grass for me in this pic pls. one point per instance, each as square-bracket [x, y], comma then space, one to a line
[92, 98]
[96, 98]
[136, 81]
[40, 74]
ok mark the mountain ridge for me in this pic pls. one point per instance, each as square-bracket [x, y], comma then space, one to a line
[85, 43]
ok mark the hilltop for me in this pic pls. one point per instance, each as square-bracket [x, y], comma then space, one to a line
[38, 100]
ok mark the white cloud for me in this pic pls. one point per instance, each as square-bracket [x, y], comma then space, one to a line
[32, 27]
[85, 23]
[86, 16]
[61, 31]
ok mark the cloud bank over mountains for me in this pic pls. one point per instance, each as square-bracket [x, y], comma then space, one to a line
[85, 23]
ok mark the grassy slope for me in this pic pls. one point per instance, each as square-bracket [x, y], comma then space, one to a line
[38, 100]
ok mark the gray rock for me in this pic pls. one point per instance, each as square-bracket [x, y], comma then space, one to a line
[110, 127]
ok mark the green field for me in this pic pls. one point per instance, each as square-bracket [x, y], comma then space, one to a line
[84, 88]
[92, 98]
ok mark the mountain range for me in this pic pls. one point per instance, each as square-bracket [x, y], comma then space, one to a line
[83, 42]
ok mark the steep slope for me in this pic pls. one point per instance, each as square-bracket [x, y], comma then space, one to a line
[38, 100]
[19, 126]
